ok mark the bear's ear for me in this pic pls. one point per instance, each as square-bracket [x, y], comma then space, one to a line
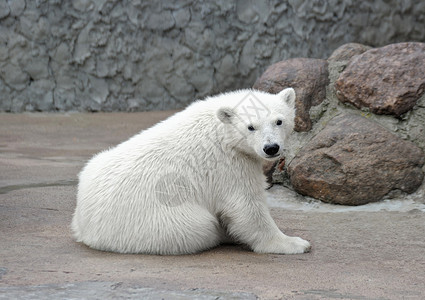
[288, 95]
[225, 115]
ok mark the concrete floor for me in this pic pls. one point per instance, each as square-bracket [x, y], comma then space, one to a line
[355, 255]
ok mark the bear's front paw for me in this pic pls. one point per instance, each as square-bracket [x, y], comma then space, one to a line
[295, 245]
[285, 245]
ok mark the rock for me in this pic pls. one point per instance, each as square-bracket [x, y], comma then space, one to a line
[252, 11]
[16, 7]
[40, 95]
[37, 68]
[136, 104]
[82, 47]
[136, 42]
[307, 76]
[64, 99]
[226, 69]
[160, 21]
[98, 89]
[268, 170]
[347, 51]
[14, 76]
[4, 9]
[248, 56]
[387, 80]
[200, 79]
[275, 171]
[6, 102]
[182, 17]
[354, 161]
[82, 5]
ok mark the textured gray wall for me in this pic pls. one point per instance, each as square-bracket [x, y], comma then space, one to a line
[142, 55]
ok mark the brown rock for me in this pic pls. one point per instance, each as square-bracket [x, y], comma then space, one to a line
[307, 76]
[270, 167]
[354, 161]
[347, 51]
[387, 80]
[268, 170]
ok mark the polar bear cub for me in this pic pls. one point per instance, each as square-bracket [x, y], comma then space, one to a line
[190, 182]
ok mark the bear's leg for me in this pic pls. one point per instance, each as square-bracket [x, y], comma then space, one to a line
[225, 238]
[185, 229]
[250, 222]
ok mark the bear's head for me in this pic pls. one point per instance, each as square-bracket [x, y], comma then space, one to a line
[260, 123]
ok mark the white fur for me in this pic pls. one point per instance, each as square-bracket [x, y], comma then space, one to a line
[190, 182]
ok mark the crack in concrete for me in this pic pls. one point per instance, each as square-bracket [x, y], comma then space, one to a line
[334, 294]
[10, 188]
[102, 290]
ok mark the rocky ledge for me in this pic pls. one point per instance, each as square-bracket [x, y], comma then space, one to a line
[360, 124]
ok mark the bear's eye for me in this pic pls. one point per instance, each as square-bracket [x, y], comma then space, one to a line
[279, 122]
[251, 128]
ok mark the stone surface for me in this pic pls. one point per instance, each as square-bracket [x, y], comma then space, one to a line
[309, 78]
[387, 80]
[91, 290]
[270, 167]
[355, 161]
[268, 170]
[347, 51]
[410, 126]
[4, 9]
[161, 54]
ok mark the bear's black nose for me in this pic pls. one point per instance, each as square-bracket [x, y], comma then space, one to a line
[271, 149]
